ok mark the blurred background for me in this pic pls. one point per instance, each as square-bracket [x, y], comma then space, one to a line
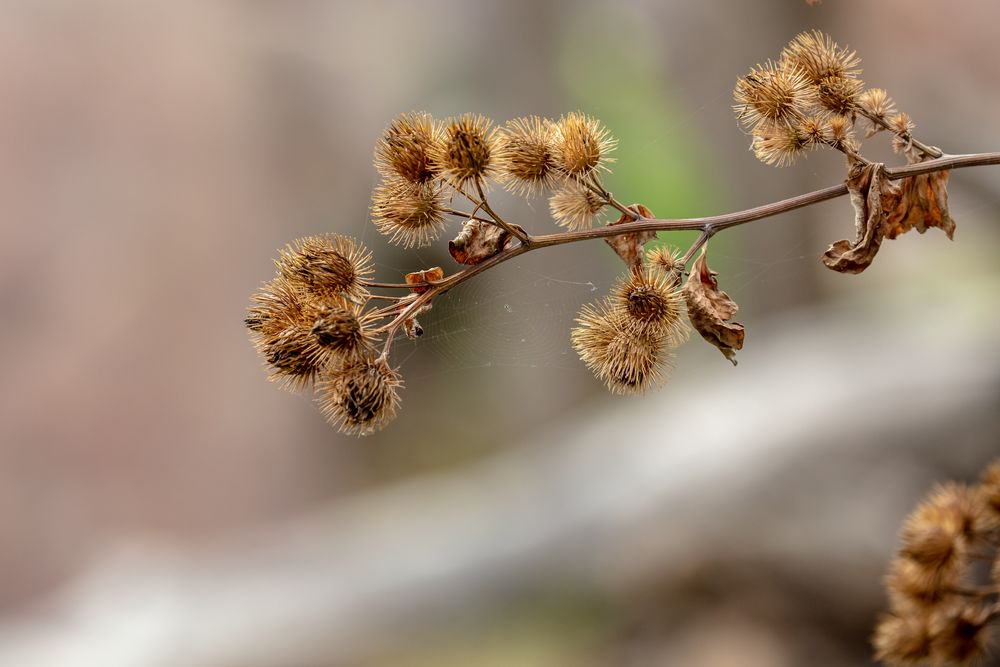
[163, 504]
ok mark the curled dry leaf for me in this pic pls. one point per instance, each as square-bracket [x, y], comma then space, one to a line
[418, 280]
[629, 246]
[872, 195]
[708, 309]
[924, 203]
[477, 242]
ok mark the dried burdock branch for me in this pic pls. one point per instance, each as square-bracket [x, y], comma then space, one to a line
[321, 320]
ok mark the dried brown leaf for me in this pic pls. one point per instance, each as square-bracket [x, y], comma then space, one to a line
[629, 246]
[418, 279]
[872, 195]
[924, 203]
[708, 309]
[477, 242]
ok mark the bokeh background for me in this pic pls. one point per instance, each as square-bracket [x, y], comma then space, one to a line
[162, 504]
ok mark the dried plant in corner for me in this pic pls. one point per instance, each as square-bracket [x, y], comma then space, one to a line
[944, 583]
[322, 321]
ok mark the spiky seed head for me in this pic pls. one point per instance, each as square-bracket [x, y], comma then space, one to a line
[653, 303]
[627, 360]
[637, 362]
[527, 161]
[467, 149]
[839, 94]
[778, 144]
[596, 328]
[773, 94]
[958, 633]
[911, 584]
[840, 129]
[815, 130]
[327, 266]
[816, 54]
[667, 260]
[361, 397]
[582, 144]
[902, 126]
[903, 639]
[279, 322]
[403, 150]
[273, 306]
[901, 123]
[410, 214]
[876, 101]
[990, 489]
[299, 335]
[955, 508]
[341, 331]
[574, 206]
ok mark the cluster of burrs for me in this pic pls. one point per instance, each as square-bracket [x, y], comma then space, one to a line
[944, 583]
[320, 323]
[812, 97]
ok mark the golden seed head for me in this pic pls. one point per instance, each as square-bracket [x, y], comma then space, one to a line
[597, 328]
[299, 335]
[990, 488]
[582, 144]
[913, 584]
[839, 94]
[626, 359]
[410, 214]
[654, 303]
[816, 54]
[636, 362]
[840, 128]
[275, 305]
[815, 131]
[341, 330]
[360, 397]
[955, 508]
[958, 633]
[666, 259]
[779, 144]
[527, 161]
[902, 126]
[877, 102]
[773, 94]
[903, 640]
[291, 354]
[574, 206]
[467, 149]
[901, 123]
[280, 322]
[404, 148]
[328, 266]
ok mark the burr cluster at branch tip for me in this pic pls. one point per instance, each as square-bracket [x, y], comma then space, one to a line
[311, 326]
[813, 97]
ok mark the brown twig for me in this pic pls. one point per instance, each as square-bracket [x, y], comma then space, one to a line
[929, 151]
[708, 226]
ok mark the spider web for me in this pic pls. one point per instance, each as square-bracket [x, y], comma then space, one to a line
[514, 316]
